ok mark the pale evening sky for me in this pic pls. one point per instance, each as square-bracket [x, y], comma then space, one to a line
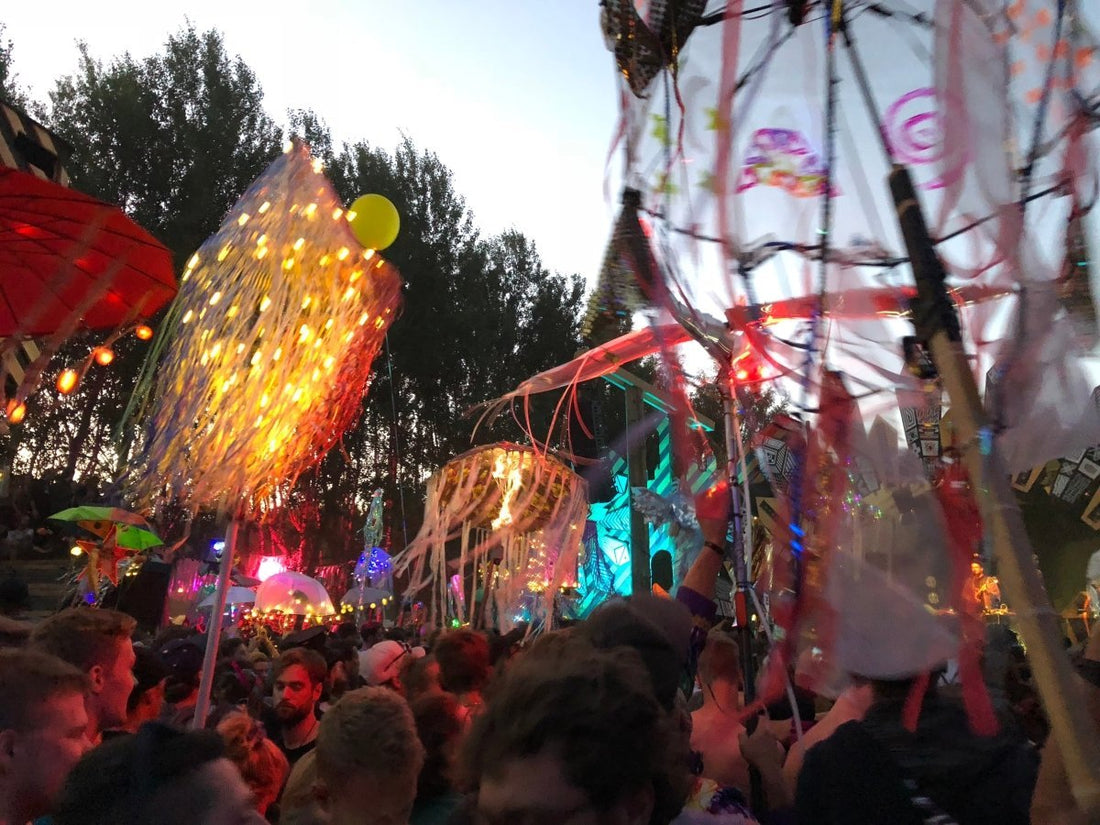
[517, 98]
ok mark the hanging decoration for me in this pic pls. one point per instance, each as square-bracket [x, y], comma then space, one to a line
[374, 526]
[518, 516]
[647, 36]
[282, 315]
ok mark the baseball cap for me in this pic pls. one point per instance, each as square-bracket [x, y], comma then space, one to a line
[382, 662]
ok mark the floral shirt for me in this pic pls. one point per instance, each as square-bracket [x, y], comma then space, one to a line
[712, 804]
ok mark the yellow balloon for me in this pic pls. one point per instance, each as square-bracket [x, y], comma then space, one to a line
[374, 221]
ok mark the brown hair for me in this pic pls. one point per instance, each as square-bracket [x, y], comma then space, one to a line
[83, 636]
[311, 660]
[463, 657]
[261, 763]
[28, 678]
[593, 709]
[439, 723]
[370, 730]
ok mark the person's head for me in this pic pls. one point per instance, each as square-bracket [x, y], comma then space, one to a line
[658, 630]
[463, 657]
[183, 657]
[262, 765]
[157, 775]
[342, 658]
[299, 679]
[720, 661]
[97, 642]
[439, 725]
[260, 663]
[348, 632]
[576, 734]
[368, 758]
[421, 678]
[232, 648]
[43, 730]
[977, 569]
[147, 697]
[382, 664]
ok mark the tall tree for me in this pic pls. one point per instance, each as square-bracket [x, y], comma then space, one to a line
[480, 315]
[174, 138]
[10, 89]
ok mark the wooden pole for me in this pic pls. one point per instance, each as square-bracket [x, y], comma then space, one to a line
[214, 632]
[938, 326]
[637, 476]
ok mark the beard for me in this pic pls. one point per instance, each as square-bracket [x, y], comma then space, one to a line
[290, 715]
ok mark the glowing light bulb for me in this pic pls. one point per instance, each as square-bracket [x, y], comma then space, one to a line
[144, 332]
[103, 356]
[16, 411]
[75, 551]
[67, 381]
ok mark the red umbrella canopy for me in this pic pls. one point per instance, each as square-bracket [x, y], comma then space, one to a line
[68, 260]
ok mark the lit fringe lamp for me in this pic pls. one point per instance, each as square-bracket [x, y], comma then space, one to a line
[519, 514]
[282, 313]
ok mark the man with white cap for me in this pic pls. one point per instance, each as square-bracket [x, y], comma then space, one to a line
[381, 665]
[913, 758]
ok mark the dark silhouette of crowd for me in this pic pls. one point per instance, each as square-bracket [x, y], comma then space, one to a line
[634, 716]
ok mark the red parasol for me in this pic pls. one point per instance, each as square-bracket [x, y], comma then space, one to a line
[67, 259]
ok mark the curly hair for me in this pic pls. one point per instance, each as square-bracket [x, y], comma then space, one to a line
[262, 765]
[82, 636]
[370, 730]
[596, 711]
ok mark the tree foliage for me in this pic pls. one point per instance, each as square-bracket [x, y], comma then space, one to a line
[10, 88]
[174, 139]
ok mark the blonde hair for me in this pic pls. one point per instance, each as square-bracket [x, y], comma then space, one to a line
[261, 763]
[83, 636]
[370, 730]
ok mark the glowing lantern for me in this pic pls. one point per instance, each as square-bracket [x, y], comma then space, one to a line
[144, 332]
[16, 411]
[269, 363]
[67, 381]
[103, 355]
[516, 509]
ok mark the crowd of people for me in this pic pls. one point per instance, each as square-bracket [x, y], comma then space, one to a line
[635, 716]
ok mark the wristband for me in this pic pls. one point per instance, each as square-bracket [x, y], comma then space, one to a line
[716, 547]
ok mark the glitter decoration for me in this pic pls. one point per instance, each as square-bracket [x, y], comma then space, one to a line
[282, 313]
[519, 516]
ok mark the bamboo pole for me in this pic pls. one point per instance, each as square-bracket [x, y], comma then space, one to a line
[938, 326]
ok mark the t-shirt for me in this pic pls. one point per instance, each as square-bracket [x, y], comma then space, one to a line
[274, 730]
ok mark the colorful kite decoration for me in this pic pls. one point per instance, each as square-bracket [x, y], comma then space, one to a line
[282, 313]
[518, 516]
